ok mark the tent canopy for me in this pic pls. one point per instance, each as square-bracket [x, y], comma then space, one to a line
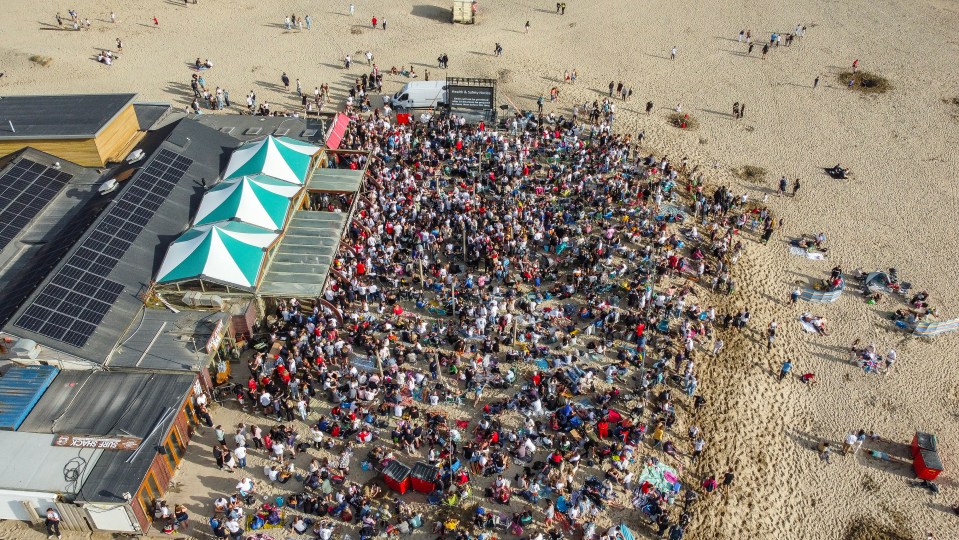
[231, 253]
[280, 157]
[258, 200]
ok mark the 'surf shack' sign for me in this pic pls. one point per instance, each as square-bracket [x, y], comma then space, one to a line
[101, 443]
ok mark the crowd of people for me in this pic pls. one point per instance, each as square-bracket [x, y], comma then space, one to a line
[549, 284]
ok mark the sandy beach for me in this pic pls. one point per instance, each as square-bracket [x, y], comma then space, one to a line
[899, 209]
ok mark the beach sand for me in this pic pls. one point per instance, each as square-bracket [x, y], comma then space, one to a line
[899, 210]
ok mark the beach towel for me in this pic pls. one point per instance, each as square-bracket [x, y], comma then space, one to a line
[814, 255]
[541, 363]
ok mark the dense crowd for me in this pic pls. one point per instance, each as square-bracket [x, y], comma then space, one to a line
[548, 282]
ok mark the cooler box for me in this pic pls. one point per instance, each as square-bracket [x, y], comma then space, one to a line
[927, 465]
[426, 478]
[923, 441]
[397, 476]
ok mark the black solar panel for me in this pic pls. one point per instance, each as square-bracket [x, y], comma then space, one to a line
[25, 190]
[79, 296]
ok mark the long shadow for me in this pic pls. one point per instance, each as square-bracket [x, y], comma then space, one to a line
[717, 113]
[275, 25]
[434, 13]
[898, 460]
[546, 11]
[511, 30]
[51, 26]
[657, 56]
[736, 53]
[272, 86]
[478, 53]
[798, 85]
[179, 89]
[941, 507]
[174, 3]
[727, 39]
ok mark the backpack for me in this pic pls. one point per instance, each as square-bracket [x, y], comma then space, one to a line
[257, 523]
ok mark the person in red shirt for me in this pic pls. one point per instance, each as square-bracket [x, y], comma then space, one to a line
[374, 22]
[602, 428]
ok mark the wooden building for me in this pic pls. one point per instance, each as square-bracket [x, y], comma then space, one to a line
[87, 129]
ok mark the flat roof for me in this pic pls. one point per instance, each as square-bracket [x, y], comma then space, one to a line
[335, 180]
[246, 127]
[104, 403]
[163, 340]
[20, 389]
[302, 261]
[72, 116]
[31, 463]
[207, 150]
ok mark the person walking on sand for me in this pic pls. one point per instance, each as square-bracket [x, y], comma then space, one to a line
[672, 53]
[785, 369]
[765, 50]
[771, 335]
[612, 85]
[855, 65]
[286, 80]
[384, 24]
[736, 110]
[649, 107]
[782, 185]
[815, 83]
[728, 478]
[794, 296]
[742, 110]
[156, 23]
[795, 187]
[527, 27]
[352, 9]
[373, 21]
[113, 17]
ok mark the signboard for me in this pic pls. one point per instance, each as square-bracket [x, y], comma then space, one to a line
[216, 337]
[470, 97]
[102, 443]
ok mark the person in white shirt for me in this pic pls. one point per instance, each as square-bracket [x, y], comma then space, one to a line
[240, 453]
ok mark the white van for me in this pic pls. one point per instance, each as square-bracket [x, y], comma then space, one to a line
[420, 94]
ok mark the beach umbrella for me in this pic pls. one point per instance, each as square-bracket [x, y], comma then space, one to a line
[229, 253]
[258, 200]
[280, 157]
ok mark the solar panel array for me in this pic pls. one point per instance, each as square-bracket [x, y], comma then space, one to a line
[76, 300]
[25, 190]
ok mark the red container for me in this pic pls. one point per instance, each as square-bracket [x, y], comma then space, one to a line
[426, 478]
[927, 465]
[397, 476]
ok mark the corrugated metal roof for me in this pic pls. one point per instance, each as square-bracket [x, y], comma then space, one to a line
[335, 180]
[20, 389]
[31, 463]
[168, 341]
[302, 261]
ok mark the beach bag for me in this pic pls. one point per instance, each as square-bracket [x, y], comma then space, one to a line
[274, 518]
[257, 523]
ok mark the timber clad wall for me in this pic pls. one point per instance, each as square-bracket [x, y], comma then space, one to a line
[114, 142]
[83, 152]
[160, 467]
[118, 137]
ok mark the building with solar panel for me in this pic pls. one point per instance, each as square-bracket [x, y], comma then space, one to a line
[143, 282]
